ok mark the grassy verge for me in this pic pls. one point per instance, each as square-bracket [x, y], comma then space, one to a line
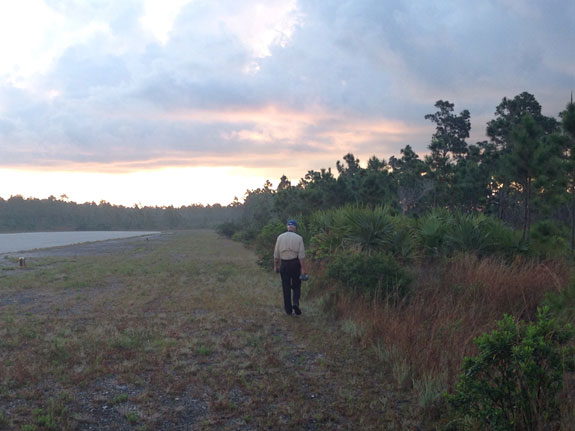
[184, 332]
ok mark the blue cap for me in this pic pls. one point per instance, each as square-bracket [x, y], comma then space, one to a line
[292, 223]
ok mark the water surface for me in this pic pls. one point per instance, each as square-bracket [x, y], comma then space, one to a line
[13, 242]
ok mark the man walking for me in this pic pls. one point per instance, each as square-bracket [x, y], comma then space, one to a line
[289, 261]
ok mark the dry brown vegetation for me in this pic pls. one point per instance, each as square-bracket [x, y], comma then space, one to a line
[178, 332]
[426, 337]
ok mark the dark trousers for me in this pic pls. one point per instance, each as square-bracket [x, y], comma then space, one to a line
[290, 270]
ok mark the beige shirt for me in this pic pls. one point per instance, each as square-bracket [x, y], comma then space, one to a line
[289, 245]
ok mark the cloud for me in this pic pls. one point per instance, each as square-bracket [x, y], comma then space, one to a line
[290, 84]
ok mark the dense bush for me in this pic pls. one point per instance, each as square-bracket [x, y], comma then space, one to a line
[481, 235]
[513, 383]
[327, 232]
[265, 243]
[442, 233]
[376, 275]
[228, 229]
[549, 239]
[369, 229]
[432, 229]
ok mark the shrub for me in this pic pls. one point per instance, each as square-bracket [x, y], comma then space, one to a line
[504, 241]
[247, 233]
[432, 230]
[444, 234]
[228, 229]
[370, 229]
[549, 239]
[367, 229]
[327, 230]
[404, 240]
[468, 235]
[265, 243]
[513, 383]
[376, 275]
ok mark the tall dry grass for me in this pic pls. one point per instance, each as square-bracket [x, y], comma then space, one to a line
[452, 302]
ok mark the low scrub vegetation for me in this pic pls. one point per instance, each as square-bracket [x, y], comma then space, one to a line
[425, 255]
[423, 289]
[514, 381]
[376, 276]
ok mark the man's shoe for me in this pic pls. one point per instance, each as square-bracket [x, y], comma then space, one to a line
[297, 310]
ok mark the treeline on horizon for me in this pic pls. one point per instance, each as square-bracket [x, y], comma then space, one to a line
[32, 215]
[524, 175]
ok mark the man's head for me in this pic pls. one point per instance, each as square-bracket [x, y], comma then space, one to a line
[291, 225]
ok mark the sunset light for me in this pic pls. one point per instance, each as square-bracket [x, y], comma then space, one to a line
[160, 187]
[175, 102]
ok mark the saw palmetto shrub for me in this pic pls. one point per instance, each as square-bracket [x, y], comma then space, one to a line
[375, 275]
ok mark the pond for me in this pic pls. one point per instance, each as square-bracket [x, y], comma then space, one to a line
[13, 242]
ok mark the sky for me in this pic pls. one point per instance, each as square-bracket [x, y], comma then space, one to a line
[179, 102]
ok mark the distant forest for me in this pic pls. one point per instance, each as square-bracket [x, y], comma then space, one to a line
[28, 215]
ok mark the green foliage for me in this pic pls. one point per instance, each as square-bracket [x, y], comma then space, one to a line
[265, 243]
[4, 422]
[369, 230]
[228, 229]
[439, 233]
[482, 235]
[132, 417]
[467, 235]
[404, 241]
[504, 241]
[562, 303]
[443, 233]
[549, 239]
[327, 232]
[246, 235]
[53, 418]
[514, 381]
[433, 228]
[51, 214]
[360, 228]
[377, 275]
[522, 175]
